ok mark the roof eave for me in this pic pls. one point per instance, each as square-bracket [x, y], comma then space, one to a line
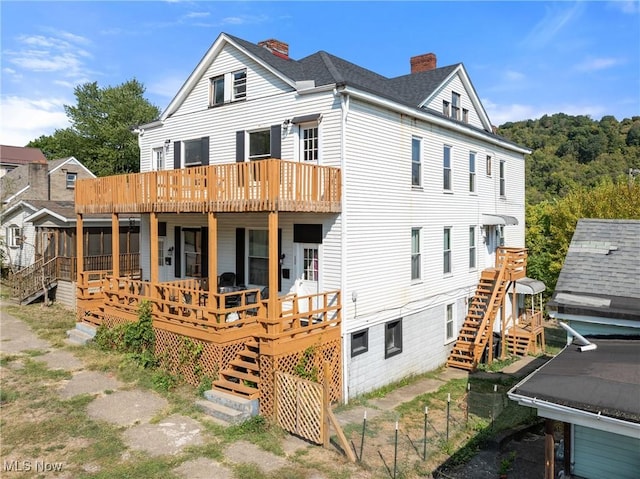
[432, 118]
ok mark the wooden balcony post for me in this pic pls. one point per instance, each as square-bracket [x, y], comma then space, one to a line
[213, 255]
[153, 247]
[273, 266]
[79, 248]
[549, 449]
[115, 245]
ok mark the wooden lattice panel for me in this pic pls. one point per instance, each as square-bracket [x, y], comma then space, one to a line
[172, 351]
[329, 351]
[298, 405]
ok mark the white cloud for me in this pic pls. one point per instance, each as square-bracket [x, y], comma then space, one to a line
[511, 75]
[502, 113]
[628, 6]
[594, 64]
[556, 18]
[196, 15]
[167, 86]
[23, 119]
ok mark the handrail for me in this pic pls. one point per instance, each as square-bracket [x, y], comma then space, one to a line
[263, 185]
[31, 279]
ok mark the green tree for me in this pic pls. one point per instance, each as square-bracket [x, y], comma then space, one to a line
[100, 135]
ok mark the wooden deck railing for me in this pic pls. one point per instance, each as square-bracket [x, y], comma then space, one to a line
[514, 260]
[265, 185]
[184, 306]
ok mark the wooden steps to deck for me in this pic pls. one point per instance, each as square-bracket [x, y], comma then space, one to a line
[242, 377]
[478, 324]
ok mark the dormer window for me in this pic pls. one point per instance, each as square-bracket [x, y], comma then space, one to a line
[446, 108]
[455, 105]
[228, 88]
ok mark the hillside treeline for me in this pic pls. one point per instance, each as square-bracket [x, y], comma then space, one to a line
[574, 151]
[579, 168]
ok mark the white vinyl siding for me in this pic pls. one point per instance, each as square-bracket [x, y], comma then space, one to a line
[444, 95]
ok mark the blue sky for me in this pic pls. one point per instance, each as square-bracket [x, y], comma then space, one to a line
[525, 59]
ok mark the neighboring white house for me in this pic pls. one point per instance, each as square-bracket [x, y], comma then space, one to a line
[429, 192]
[595, 390]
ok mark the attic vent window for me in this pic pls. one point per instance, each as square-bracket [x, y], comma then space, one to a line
[455, 105]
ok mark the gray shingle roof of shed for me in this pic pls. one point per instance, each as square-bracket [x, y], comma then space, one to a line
[603, 261]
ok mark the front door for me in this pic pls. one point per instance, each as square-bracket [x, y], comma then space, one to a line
[308, 273]
[493, 239]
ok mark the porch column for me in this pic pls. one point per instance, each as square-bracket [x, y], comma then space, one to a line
[212, 220]
[549, 454]
[79, 249]
[503, 325]
[153, 248]
[567, 449]
[273, 265]
[115, 245]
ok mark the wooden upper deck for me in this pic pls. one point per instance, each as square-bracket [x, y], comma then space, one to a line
[266, 185]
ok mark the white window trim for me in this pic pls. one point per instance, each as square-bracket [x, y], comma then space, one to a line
[154, 163]
[488, 165]
[248, 255]
[247, 149]
[502, 179]
[419, 162]
[183, 153]
[14, 232]
[233, 81]
[450, 250]
[418, 254]
[447, 339]
[474, 247]
[300, 149]
[473, 175]
[450, 189]
[73, 182]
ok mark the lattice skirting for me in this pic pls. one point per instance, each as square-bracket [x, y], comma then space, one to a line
[193, 359]
[299, 407]
[329, 351]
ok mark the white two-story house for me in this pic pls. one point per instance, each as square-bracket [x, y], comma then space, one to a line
[393, 192]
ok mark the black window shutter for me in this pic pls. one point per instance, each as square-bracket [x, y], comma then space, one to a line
[276, 138]
[239, 149]
[240, 255]
[177, 159]
[204, 237]
[205, 151]
[177, 243]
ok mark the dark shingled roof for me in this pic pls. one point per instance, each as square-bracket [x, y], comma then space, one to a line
[605, 380]
[327, 69]
[601, 272]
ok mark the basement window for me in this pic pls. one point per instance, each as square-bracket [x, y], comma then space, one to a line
[392, 338]
[359, 342]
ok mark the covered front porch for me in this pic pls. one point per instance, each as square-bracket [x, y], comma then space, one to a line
[194, 224]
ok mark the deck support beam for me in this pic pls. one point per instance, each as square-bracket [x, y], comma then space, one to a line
[79, 248]
[273, 268]
[153, 247]
[549, 450]
[115, 245]
[212, 222]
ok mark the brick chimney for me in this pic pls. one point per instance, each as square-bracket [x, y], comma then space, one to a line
[38, 177]
[278, 48]
[423, 63]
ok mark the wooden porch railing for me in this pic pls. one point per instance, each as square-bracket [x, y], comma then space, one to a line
[30, 280]
[185, 306]
[265, 185]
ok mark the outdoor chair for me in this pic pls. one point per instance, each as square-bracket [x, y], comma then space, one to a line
[227, 279]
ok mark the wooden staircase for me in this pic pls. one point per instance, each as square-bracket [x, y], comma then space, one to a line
[477, 329]
[32, 282]
[242, 376]
[518, 341]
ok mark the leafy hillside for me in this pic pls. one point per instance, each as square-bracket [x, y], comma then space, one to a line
[574, 151]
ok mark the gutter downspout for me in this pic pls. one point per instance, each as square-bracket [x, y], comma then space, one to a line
[344, 106]
[585, 345]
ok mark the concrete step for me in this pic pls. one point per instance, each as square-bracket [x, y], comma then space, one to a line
[222, 413]
[232, 401]
[81, 334]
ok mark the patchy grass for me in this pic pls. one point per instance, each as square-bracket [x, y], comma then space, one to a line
[50, 323]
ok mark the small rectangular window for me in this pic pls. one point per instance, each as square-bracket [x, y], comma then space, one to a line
[359, 342]
[446, 165]
[216, 91]
[472, 247]
[465, 115]
[503, 186]
[446, 110]
[258, 257]
[472, 172]
[447, 251]
[71, 180]
[489, 167]
[157, 159]
[416, 162]
[415, 254]
[193, 152]
[393, 338]
[239, 85]
[449, 322]
[14, 236]
[260, 145]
